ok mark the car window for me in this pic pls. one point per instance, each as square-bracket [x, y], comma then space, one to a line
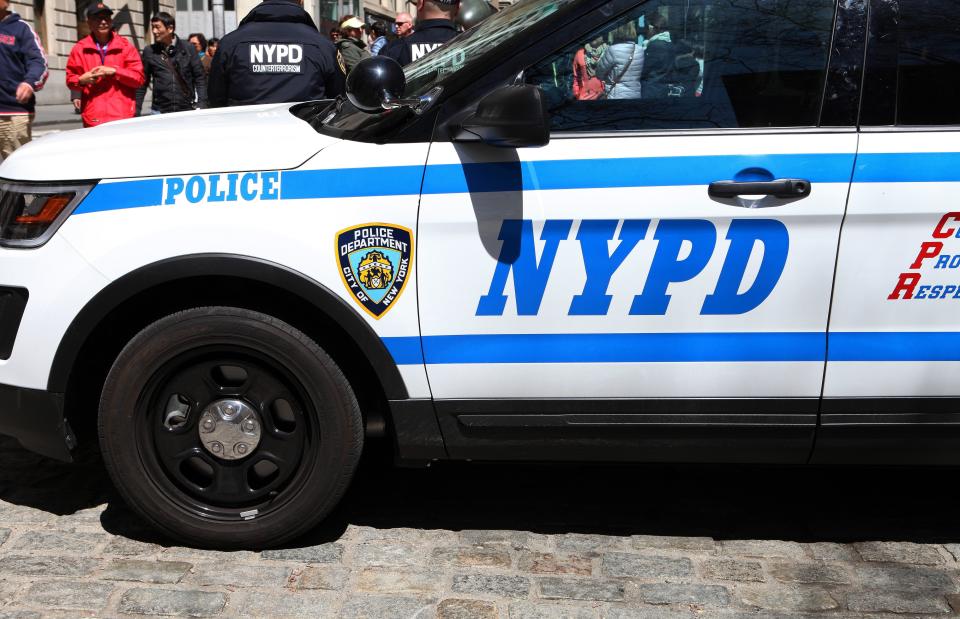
[458, 61]
[470, 48]
[699, 64]
[928, 63]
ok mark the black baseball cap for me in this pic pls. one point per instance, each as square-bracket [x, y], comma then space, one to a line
[98, 8]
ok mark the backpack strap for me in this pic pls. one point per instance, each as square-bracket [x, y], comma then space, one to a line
[173, 69]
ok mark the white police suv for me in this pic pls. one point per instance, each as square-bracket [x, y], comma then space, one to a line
[670, 230]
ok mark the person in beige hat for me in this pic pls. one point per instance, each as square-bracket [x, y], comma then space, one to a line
[351, 46]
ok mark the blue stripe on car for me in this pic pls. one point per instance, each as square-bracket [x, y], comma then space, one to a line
[500, 176]
[907, 168]
[564, 174]
[674, 347]
[629, 172]
[123, 195]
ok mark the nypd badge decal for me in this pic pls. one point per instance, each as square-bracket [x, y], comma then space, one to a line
[375, 263]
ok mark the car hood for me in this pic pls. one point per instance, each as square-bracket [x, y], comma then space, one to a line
[219, 140]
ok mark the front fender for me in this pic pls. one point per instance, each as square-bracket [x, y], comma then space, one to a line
[170, 270]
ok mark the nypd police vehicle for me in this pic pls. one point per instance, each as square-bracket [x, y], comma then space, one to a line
[753, 256]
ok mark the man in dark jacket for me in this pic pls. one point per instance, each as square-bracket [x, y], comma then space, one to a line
[658, 59]
[435, 26]
[276, 55]
[24, 71]
[172, 65]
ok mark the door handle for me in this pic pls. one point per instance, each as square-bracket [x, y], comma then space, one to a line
[780, 188]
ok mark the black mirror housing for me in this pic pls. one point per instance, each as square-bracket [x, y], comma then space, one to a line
[510, 116]
[375, 81]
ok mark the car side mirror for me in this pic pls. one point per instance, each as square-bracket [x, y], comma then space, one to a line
[510, 116]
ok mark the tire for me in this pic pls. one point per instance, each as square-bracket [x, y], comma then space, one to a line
[227, 428]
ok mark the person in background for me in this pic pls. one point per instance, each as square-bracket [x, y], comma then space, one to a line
[212, 46]
[404, 25]
[659, 57]
[106, 69]
[172, 67]
[378, 36]
[622, 64]
[23, 68]
[199, 43]
[593, 52]
[435, 26]
[586, 85]
[351, 46]
[276, 55]
[686, 71]
[334, 34]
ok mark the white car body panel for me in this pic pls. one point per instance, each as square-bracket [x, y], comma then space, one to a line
[60, 282]
[907, 349]
[260, 137]
[298, 234]
[466, 226]
[455, 234]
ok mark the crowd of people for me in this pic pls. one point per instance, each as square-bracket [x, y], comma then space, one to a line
[634, 62]
[275, 55]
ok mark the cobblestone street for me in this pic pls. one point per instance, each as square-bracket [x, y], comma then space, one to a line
[479, 540]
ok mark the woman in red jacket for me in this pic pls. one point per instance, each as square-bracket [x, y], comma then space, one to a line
[106, 69]
[586, 85]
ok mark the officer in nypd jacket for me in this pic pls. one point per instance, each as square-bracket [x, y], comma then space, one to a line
[435, 26]
[276, 55]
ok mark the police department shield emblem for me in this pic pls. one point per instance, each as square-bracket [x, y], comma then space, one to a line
[375, 261]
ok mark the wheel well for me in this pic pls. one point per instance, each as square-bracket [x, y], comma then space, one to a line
[111, 334]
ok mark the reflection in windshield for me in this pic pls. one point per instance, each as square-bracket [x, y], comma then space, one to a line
[469, 50]
[473, 44]
[700, 65]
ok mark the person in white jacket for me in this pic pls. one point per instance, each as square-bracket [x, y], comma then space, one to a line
[621, 66]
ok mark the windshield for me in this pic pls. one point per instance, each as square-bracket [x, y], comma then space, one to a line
[469, 47]
[468, 54]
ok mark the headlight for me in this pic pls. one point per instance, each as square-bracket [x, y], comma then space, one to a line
[30, 214]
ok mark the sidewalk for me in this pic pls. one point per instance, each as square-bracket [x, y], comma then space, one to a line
[52, 118]
[61, 117]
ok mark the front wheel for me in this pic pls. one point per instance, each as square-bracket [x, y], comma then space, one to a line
[228, 428]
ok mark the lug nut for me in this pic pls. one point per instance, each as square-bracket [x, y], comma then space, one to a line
[216, 447]
[208, 425]
[248, 425]
[240, 448]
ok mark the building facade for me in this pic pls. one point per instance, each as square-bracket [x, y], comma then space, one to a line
[61, 23]
[200, 16]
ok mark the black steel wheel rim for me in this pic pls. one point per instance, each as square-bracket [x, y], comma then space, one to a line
[187, 472]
